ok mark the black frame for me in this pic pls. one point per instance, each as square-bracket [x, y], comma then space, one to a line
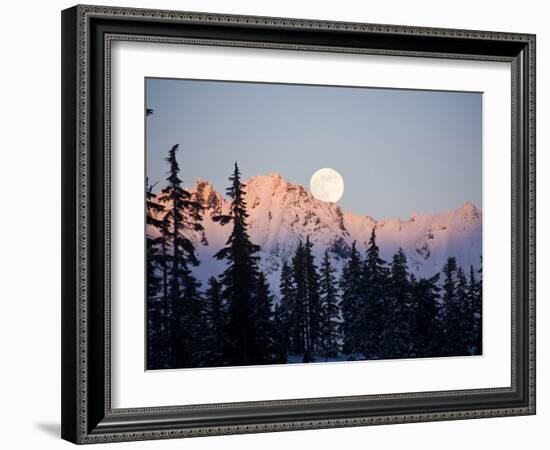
[87, 31]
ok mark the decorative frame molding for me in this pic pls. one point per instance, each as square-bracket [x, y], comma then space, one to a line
[87, 34]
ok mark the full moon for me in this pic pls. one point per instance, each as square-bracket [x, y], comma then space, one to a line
[327, 185]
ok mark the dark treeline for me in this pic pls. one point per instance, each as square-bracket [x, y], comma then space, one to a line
[374, 309]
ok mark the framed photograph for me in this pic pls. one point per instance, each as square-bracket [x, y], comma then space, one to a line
[278, 224]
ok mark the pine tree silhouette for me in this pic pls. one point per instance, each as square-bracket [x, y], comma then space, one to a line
[264, 344]
[299, 311]
[465, 315]
[397, 318]
[351, 304]
[280, 334]
[190, 321]
[477, 293]
[312, 303]
[183, 216]
[239, 279]
[155, 310]
[329, 309]
[305, 315]
[450, 311]
[374, 285]
[425, 327]
[213, 321]
[285, 312]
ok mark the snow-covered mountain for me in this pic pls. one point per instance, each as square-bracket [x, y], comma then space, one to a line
[282, 213]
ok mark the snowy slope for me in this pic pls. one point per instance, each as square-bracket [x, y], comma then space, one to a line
[282, 213]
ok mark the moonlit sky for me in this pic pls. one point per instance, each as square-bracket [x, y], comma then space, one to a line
[398, 151]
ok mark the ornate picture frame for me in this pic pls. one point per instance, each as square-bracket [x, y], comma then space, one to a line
[88, 33]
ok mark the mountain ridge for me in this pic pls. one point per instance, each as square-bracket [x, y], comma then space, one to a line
[282, 213]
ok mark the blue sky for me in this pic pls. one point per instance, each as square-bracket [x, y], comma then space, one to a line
[399, 151]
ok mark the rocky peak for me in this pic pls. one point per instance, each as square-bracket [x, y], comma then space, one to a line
[204, 193]
[469, 210]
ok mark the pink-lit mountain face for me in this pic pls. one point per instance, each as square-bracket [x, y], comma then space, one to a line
[281, 214]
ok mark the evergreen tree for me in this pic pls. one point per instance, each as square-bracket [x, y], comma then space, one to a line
[182, 217]
[280, 334]
[465, 315]
[190, 323]
[298, 333]
[312, 303]
[302, 300]
[473, 314]
[451, 312]
[285, 311]
[264, 345]
[153, 209]
[397, 334]
[155, 311]
[351, 299]
[166, 353]
[164, 257]
[374, 284]
[214, 323]
[477, 292]
[329, 309]
[239, 279]
[425, 326]
[449, 284]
